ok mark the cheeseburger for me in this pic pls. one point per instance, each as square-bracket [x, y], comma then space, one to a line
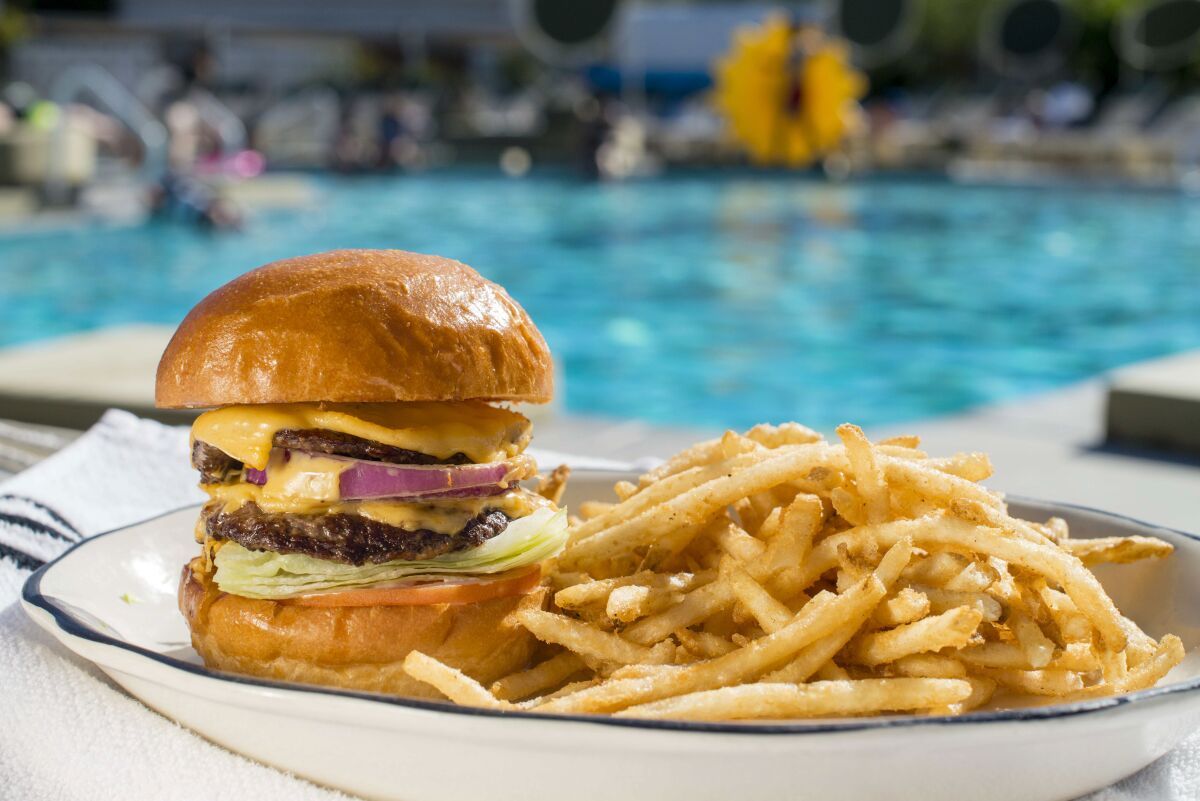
[362, 472]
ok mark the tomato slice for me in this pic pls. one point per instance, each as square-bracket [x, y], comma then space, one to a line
[511, 583]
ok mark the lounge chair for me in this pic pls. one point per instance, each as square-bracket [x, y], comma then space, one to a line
[1169, 145]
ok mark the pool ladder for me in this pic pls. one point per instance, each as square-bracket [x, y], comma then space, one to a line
[158, 81]
[112, 97]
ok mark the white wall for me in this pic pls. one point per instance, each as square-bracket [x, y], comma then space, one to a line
[269, 62]
[374, 17]
[40, 61]
[685, 38]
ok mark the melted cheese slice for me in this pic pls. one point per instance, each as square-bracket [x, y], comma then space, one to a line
[484, 433]
[317, 478]
[444, 517]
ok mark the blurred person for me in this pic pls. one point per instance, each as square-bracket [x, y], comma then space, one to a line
[179, 197]
[594, 129]
[391, 131]
[400, 126]
[191, 138]
[352, 150]
[102, 130]
[1066, 104]
[199, 66]
[415, 115]
[185, 134]
[8, 119]
[20, 98]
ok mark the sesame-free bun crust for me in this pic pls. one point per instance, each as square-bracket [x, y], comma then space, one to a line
[355, 326]
[357, 648]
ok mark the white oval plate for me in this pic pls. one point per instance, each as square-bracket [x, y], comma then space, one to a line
[112, 600]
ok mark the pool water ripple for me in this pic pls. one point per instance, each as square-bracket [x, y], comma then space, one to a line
[715, 299]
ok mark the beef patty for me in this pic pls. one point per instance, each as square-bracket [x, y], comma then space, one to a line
[346, 538]
[216, 466]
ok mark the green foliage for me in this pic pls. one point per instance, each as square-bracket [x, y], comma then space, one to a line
[1101, 11]
[952, 26]
[14, 25]
[948, 43]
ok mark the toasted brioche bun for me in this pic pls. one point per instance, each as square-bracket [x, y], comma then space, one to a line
[355, 326]
[358, 648]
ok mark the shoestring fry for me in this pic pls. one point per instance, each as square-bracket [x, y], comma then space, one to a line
[773, 574]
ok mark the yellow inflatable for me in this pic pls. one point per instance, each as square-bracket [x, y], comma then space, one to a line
[788, 94]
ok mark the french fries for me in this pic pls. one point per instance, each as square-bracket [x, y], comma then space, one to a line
[953, 629]
[862, 697]
[772, 575]
[772, 615]
[588, 641]
[943, 600]
[1119, 550]
[906, 606]
[452, 683]
[541, 677]
[868, 478]
[551, 487]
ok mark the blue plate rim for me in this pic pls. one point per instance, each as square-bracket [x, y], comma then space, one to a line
[31, 594]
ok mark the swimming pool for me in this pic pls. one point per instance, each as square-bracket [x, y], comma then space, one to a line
[714, 299]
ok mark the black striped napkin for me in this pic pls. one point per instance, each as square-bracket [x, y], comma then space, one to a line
[122, 470]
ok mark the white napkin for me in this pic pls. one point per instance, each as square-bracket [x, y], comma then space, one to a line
[67, 733]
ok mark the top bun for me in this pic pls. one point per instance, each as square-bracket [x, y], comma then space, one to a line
[355, 326]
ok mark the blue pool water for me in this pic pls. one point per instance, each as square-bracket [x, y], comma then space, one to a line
[715, 300]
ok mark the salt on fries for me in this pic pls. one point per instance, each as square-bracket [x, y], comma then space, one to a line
[772, 574]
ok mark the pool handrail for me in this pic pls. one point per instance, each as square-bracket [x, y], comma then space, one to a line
[229, 128]
[108, 92]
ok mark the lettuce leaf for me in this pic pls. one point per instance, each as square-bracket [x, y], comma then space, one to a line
[269, 575]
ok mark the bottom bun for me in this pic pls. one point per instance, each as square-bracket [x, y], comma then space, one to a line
[359, 648]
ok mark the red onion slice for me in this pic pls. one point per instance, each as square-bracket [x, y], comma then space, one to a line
[485, 491]
[362, 479]
[379, 480]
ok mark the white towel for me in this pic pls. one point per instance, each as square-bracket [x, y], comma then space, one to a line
[69, 734]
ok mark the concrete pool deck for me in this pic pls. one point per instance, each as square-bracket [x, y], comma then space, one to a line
[1048, 446]
[69, 381]
[1055, 445]
[1157, 403]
